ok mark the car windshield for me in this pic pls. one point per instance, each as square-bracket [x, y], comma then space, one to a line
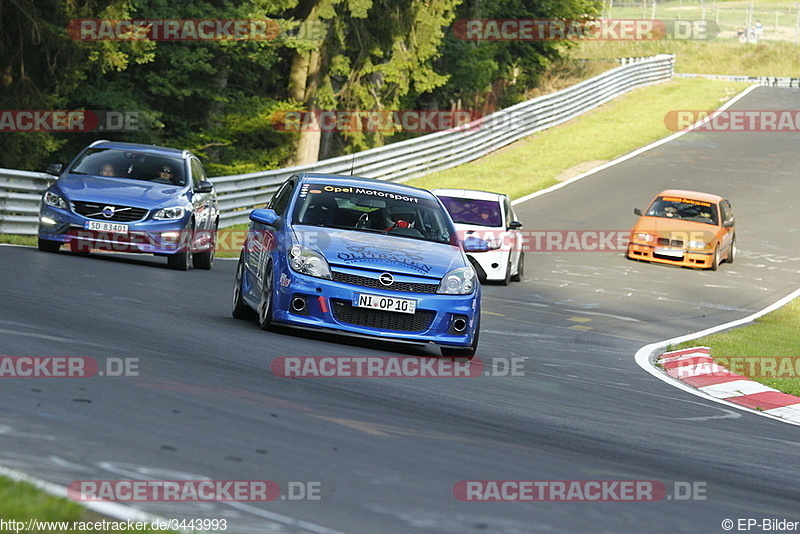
[132, 164]
[685, 209]
[373, 210]
[475, 212]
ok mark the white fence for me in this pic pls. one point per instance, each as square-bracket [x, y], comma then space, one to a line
[771, 21]
[770, 81]
[20, 191]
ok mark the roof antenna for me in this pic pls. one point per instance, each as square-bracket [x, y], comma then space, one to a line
[352, 164]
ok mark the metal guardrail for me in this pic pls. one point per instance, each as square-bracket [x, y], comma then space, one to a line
[20, 191]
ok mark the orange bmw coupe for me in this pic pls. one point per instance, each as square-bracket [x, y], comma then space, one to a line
[685, 228]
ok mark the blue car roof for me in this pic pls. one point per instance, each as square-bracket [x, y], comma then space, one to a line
[151, 149]
[381, 185]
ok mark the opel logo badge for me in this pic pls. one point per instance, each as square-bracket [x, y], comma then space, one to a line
[386, 279]
[108, 212]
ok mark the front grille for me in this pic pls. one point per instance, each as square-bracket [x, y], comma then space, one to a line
[407, 287]
[345, 312]
[93, 210]
[664, 242]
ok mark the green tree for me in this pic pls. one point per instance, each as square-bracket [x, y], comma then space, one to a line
[480, 70]
[40, 64]
[377, 55]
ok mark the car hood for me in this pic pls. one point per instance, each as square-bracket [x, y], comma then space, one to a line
[400, 255]
[115, 190]
[664, 227]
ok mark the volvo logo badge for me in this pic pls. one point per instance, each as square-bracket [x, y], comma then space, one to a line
[386, 279]
[108, 212]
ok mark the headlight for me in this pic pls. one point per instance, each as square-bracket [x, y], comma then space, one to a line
[459, 281]
[169, 214]
[475, 244]
[306, 261]
[644, 237]
[696, 244]
[51, 199]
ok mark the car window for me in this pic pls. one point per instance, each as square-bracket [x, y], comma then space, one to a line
[509, 212]
[727, 213]
[471, 211]
[131, 164]
[681, 208]
[373, 210]
[198, 173]
[281, 199]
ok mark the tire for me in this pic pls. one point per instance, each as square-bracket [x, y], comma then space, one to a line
[178, 261]
[204, 260]
[715, 259]
[464, 352]
[505, 281]
[520, 268]
[732, 251]
[267, 298]
[45, 245]
[240, 308]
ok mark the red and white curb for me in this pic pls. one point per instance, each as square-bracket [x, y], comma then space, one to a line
[697, 368]
[646, 356]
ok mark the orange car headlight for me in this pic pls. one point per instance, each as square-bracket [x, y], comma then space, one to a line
[639, 236]
[698, 244]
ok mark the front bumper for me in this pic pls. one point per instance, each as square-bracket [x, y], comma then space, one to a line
[675, 256]
[147, 236]
[328, 305]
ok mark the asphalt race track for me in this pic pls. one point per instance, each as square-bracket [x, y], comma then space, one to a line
[388, 452]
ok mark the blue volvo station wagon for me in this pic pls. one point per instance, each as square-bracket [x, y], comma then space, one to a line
[128, 197]
[361, 257]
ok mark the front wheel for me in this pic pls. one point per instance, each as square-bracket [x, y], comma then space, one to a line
[732, 251]
[520, 268]
[178, 261]
[715, 259]
[45, 245]
[204, 260]
[240, 308]
[265, 307]
[507, 279]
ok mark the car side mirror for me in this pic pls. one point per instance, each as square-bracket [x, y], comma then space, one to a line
[204, 186]
[728, 224]
[514, 225]
[637, 211]
[265, 216]
[54, 169]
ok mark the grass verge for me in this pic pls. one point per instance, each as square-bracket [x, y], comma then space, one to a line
[778, 58]
[23, 502]
[13, 239]
[767, 351]
[624, 124]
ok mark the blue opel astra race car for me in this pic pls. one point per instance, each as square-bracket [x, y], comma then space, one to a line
[361, 257]
[127, 197]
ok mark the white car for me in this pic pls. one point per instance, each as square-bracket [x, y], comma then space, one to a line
[490, 231]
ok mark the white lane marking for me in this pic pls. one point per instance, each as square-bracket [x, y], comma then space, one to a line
[146, 473]
[110, 509]
[7, 430]
[631, 154]
[59, 339]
